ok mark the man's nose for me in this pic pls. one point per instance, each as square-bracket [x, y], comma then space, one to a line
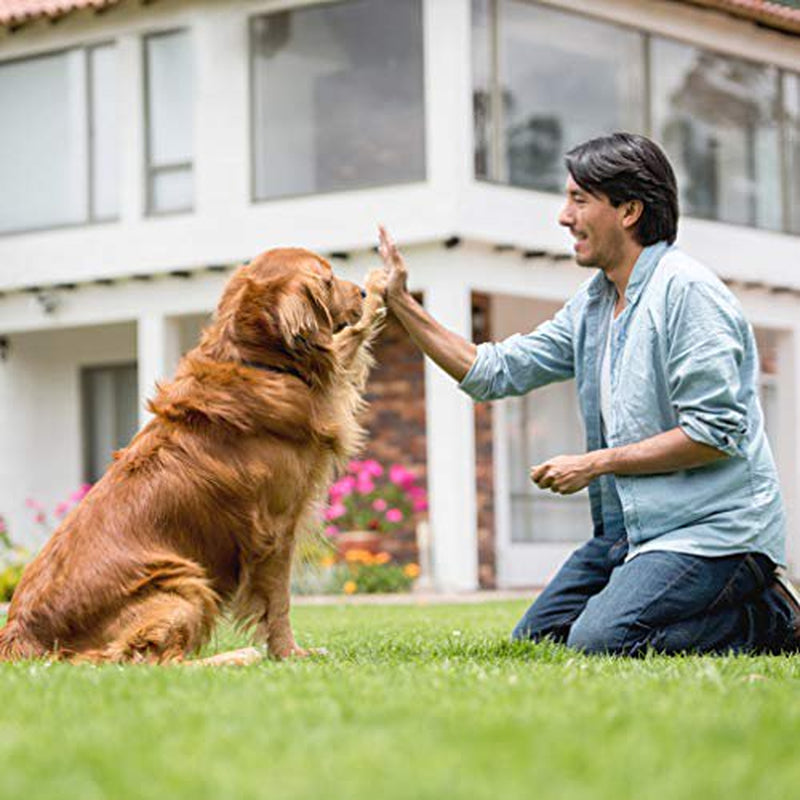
[565, 217]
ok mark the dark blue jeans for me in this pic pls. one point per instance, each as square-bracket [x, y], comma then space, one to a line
[661, 601]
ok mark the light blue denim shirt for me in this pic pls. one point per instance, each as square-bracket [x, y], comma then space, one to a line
[682, 354]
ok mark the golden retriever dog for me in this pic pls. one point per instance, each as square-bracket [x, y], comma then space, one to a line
[202, 510]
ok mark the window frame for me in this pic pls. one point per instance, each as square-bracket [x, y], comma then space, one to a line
[89, 217]
[151, 172]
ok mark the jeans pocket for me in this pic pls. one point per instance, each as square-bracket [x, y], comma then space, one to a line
[749, 579]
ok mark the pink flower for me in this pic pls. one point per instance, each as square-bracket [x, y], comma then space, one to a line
[365, 484]
[80, 493]
[335, 511]
[372, 467]
[394, 515]
[420, 505]
[380, 504]
[40, 518]
[354, 466]
[62, 508]
[343, 487]
[331, 530]
[400, 476]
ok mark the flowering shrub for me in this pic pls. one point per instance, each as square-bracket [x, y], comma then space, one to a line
[61, 510]
[12, 563]
[371, 573]
[369, 498]
[322, 569]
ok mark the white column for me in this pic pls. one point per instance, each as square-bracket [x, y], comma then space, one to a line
[222, 155]
[158, 353]
[450, 434]
[448, 95]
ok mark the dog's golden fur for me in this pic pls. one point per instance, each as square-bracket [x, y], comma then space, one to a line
[203, 508]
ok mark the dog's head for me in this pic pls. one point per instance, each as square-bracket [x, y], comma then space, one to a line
[281, 311]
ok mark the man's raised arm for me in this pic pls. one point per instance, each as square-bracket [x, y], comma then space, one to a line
[454, 354]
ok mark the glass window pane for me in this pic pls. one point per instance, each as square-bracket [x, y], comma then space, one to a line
[482, 83]
[169, 99]
[172, 191]
[565, 79]
[43, 141]
[338, 97]
[791, 93]
[110, 414]
[540, 425]
[105, 133]
[717, 118]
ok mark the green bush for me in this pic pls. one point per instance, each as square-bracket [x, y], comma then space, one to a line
[9, 578]
[12, 563]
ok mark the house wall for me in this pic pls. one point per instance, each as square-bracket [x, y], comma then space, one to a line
[226, 228]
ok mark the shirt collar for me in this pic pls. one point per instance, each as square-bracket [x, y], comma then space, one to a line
[642, 271]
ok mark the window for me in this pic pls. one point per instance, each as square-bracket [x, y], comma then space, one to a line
[717, 118]
[337, 97]
[59, 141]
[538, 425]
[560, 79]
[545, 80]
[170, 116]
[110, 401]
[791, 94]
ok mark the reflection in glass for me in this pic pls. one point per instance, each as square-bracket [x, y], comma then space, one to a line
[542, 424]
[338, 97]
[170, 118]
[717, 118]
[562, 79]
[43, 142]
[791, 94]
[105, 132]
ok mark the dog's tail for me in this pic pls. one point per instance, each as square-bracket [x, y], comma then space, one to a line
[16, 644]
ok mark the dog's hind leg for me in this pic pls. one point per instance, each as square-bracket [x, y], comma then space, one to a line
[171, 615]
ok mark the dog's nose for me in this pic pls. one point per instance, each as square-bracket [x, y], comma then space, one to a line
[363, 294]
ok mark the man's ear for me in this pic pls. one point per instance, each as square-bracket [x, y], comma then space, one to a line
[632, 212]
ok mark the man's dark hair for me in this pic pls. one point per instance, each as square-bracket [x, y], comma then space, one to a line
[623, 167]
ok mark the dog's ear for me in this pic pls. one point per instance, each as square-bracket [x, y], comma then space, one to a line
[297, 322]
[302, 317]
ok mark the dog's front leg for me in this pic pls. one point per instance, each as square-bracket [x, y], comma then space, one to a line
[349, 342]
[275, 628]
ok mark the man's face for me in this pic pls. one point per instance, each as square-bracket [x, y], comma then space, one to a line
[596, 226]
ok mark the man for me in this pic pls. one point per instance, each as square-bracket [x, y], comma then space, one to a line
[688, 519]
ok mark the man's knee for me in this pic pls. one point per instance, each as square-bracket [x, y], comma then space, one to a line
[593, 635]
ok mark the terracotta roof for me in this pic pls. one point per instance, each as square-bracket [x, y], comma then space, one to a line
[17, 12]
[781, 14]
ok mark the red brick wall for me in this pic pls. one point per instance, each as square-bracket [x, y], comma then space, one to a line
[396, 425]
[396, 416]
[484, 463]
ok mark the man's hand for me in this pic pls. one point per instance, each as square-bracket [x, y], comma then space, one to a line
[565, 474]
[395, 266]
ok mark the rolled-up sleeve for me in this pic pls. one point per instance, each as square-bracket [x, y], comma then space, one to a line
[706, 350]
[523, 362]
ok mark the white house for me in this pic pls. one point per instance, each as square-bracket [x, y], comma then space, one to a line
[147, 148]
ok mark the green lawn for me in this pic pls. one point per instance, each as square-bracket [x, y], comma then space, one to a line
[412, 702]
